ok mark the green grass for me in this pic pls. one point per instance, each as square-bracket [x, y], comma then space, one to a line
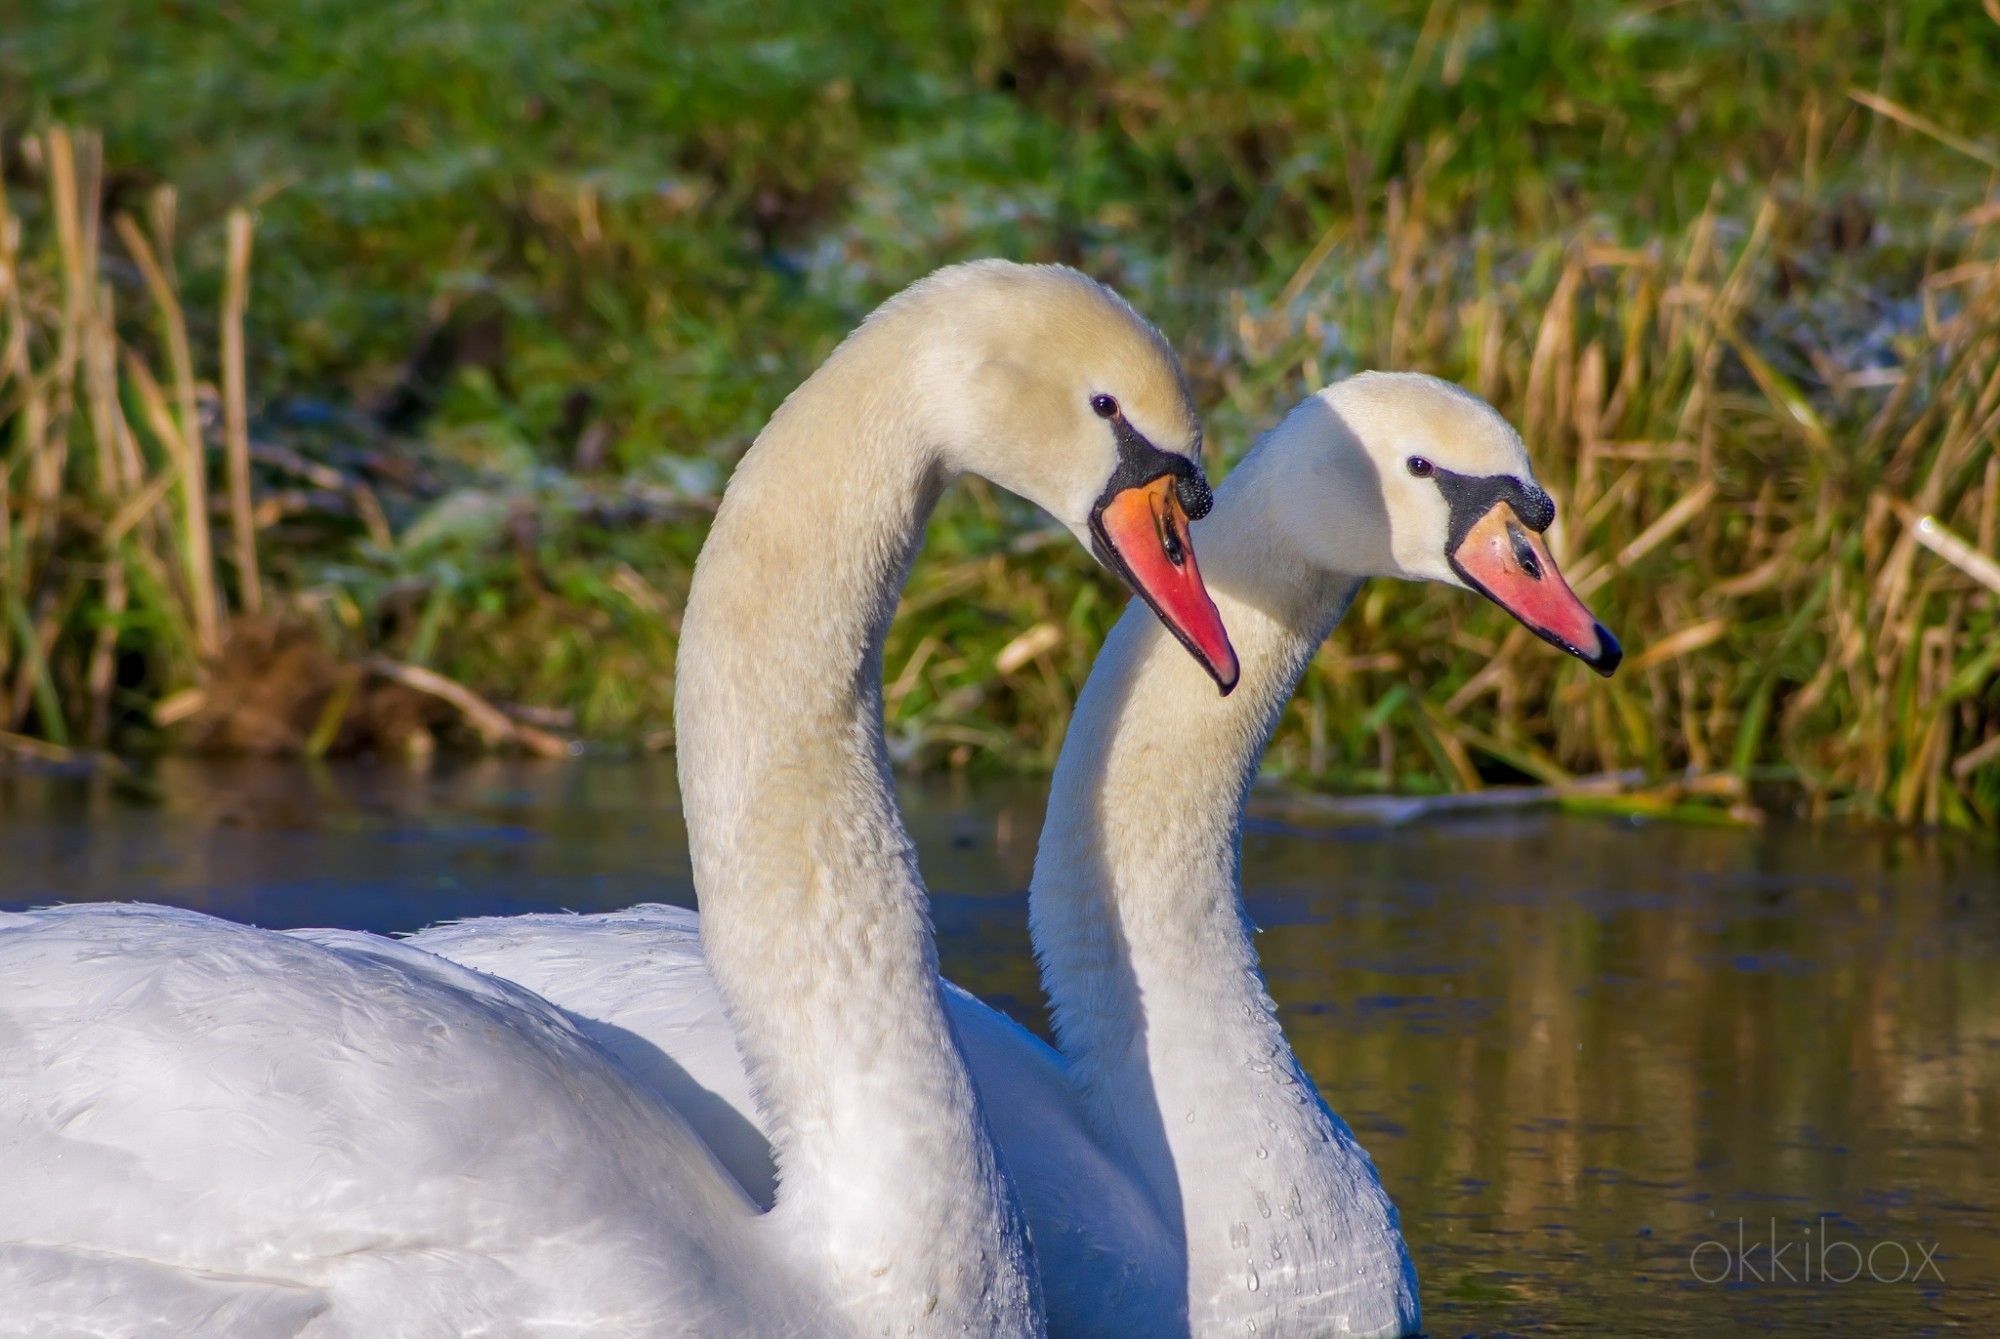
[1734, 269]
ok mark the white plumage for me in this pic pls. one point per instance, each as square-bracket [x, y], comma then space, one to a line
[208, 1129]
[371, 1141]
[1178, 1169]
[636, 982]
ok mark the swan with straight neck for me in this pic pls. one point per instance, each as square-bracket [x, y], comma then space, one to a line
[1160, 1009]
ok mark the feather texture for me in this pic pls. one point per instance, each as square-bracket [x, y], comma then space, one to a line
[334, 1134]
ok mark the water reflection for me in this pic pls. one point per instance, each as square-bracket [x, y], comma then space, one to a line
[1578, 1050]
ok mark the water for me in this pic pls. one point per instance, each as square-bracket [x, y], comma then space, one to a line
[1585, 1055]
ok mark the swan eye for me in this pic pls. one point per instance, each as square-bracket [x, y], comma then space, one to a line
[1105, 406]
[1422, 468]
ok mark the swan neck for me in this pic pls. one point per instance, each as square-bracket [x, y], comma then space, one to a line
[1135, 894]
[814, 917]
[1159, 1006]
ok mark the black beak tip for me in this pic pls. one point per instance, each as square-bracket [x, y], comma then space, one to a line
[1226, 681]
[1609, 652]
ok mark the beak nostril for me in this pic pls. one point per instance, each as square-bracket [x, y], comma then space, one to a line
[1139, 532]
[1504, 559]
[1524, 553]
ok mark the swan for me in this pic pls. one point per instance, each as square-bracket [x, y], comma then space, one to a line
[1178, 1169]
[1158, 1004]
[214, 1129]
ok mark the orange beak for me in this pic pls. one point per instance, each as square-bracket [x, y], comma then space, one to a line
[1142, 534]
[1507, 562]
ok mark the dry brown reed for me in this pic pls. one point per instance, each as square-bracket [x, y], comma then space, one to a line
[1804, 577]
[1805, 580]
[113, 602]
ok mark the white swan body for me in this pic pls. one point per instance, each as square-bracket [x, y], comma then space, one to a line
[1258, 1204]
[370, 1142]
[210, 1129]
[636, 982]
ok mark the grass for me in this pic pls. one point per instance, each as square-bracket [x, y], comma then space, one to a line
[441, 342]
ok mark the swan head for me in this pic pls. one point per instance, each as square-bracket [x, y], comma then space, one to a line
[1050, 385]
[1457, 500]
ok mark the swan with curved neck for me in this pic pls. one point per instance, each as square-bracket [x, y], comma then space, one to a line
[1179, 1171]
[815, 921]
[215, 1129]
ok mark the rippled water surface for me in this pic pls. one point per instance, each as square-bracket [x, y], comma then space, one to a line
[1597, 1064]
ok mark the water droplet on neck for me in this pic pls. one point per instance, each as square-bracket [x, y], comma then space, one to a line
[1263, 1152]
[1263, 1206]
[1253, 1280]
